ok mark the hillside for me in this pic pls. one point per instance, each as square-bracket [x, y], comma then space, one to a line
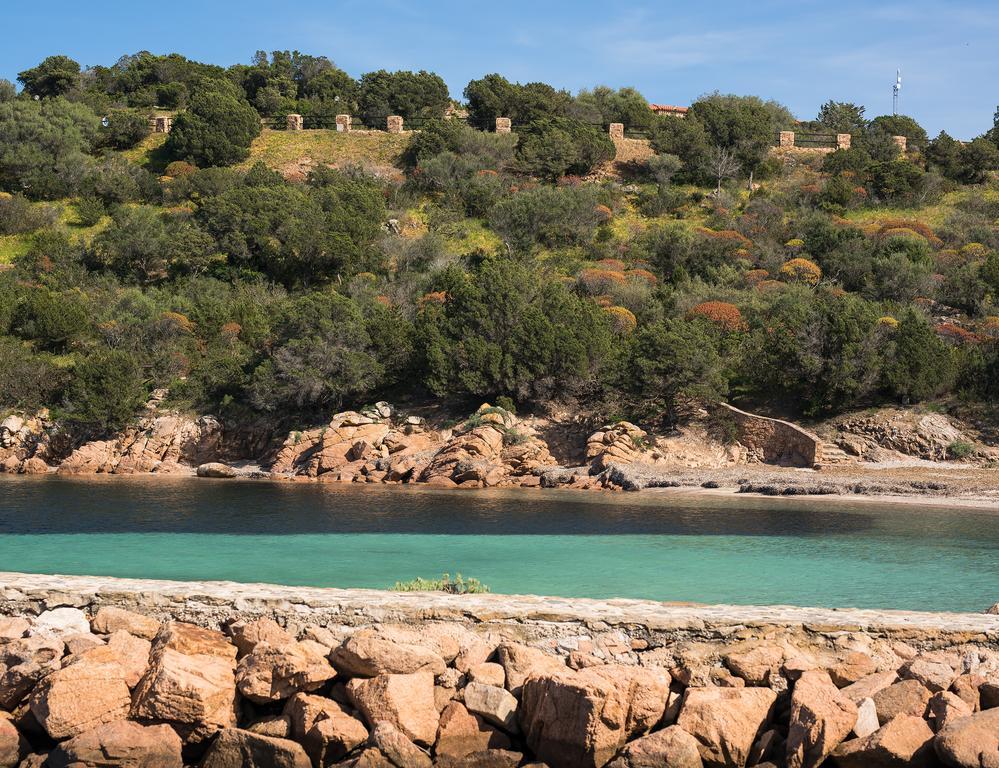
[272, 278]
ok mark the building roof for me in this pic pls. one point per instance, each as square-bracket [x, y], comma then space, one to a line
[668, 108]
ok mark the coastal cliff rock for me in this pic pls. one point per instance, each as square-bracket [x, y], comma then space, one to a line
[469, 684]
[164, 444]
[29, 444]
[492, 448]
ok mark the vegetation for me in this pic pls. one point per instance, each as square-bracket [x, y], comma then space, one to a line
[461, 264]
[456, 586]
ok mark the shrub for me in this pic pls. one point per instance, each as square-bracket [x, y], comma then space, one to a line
[801, 270]
[547, 216]
[178, 169]
[90, 210]
[18, 216]
[457, 586]
[960, 449]
[125, 129]
[726, 316]
[555, 147]
[105, 391]
[623, 321]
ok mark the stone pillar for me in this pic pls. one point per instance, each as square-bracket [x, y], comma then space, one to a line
[502, 125]
[843, 140]
[393, 124]
[786, 139]
[295, 123]
[162, 124]
[901, 141]
[616, 130]
[343, 123]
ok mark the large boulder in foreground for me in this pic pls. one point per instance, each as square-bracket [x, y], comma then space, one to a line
[461, 733]
[821, 718]
[80, 697]
[122, 744]
[13, 746]
[236, 748]
[277, 672]
[405, 701]
[671, 747]
[584, 718]
[904, 741]
[368, 653]
[725, 721]
[190, 683]
[970, 742]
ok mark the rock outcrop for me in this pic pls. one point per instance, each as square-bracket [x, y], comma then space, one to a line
[164, 444]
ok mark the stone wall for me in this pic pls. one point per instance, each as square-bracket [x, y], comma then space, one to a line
[773, 441]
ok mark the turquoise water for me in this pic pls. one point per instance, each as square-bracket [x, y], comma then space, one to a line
[651, 545]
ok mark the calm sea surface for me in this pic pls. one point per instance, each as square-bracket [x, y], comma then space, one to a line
[651, 545]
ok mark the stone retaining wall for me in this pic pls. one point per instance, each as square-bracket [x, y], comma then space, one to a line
[534, 618]
[774, 441]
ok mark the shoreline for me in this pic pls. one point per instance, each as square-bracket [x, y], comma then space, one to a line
[687, 491]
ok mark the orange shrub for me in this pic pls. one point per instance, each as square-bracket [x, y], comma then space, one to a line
[957, 334]
[179, 168]
[737, 239]
[755, 276]
[385, 301]
[177, 321]
[434, 297]
[721, 313]
[231, 330]
[595, 281]
[622, 320]
[801, 270]
[603, 213]
[603, 300]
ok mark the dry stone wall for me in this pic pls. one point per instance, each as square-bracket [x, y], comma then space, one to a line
[774, 441]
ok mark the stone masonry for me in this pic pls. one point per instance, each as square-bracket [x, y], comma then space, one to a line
[502, 125]
[393, 124]
[774, 441]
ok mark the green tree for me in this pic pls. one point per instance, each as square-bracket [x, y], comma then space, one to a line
[408, 94]
[919, 365]
[605, 105]
[555, 147]
[504, 330]
[322, 356]
[28, 380]
[842, 117]
[494, 96]
[667, 362]
[900, 125]
[44, 146]
[106, 390]
[55, 76]
[217, 127]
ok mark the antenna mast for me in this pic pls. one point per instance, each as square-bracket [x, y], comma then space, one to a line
[895, 91]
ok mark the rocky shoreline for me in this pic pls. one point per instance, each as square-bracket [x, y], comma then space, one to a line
[116, 672]
[895, 454]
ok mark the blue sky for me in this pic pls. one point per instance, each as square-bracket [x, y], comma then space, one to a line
[800, 53]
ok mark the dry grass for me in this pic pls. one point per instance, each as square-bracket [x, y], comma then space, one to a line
[294, 152]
